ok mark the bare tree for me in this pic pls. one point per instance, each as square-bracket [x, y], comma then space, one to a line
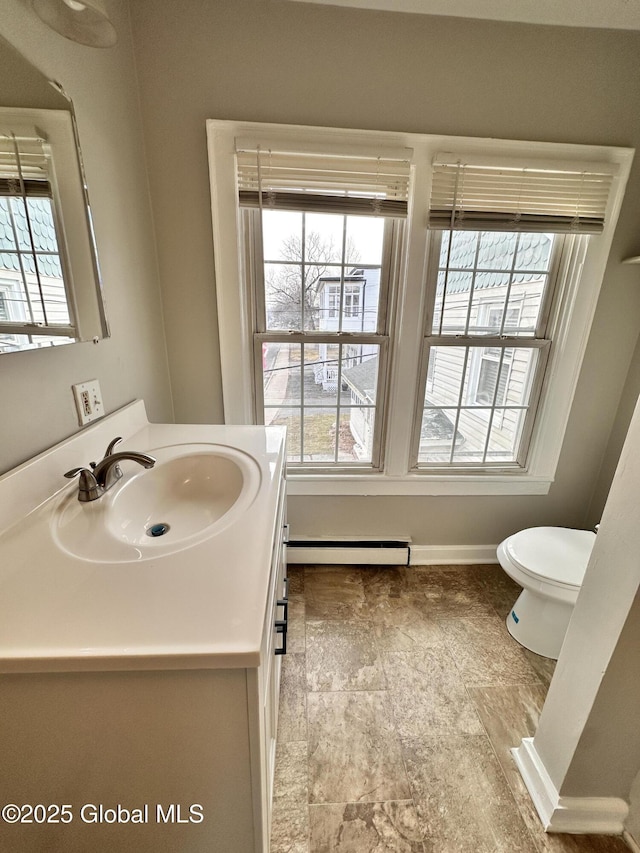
[294, 286]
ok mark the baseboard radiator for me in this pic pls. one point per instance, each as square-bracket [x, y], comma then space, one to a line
[349, 551]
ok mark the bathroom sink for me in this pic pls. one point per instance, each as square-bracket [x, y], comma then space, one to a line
[191, 494]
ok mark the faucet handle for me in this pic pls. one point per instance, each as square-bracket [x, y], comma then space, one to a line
[74, 473]
[108, 451]
[112, 445]
[88, 489]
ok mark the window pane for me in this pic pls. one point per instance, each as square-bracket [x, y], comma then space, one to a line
[493, 271]
[329, 400]
[360, 373]
[356, 434]
[324, 236]
[463, 249]
[319, 435]
[282, 235]
[364, 240]
[447, 368]
[322, 362]
[313, 280]
[534, 252]
[505, 434]
[453, 291]
[335, 401]
[525, 300]
[349, 304]
[357, 422]
[436, 435]
[291, 419]
[496, 250]
[323, 289]
[496, 388]
[7, 240]
[42, 226]
[281, 374]
[487, 308]
[283, 296]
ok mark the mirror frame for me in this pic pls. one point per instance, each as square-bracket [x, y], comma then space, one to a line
[85, 289]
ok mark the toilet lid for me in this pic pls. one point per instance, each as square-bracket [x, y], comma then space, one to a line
[556, 553]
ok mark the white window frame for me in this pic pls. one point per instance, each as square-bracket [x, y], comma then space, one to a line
[478, 344]
[571, 317]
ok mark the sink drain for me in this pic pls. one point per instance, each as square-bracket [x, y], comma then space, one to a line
[157, 529]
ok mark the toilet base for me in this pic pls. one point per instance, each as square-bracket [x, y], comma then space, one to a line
[539, 623]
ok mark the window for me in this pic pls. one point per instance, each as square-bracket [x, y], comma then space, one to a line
[306, 307]
[319, 267]
[487, 287]
[37, 305]
[417, 320]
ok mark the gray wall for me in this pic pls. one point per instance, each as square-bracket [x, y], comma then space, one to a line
[304, 64]
[37, 404]
[628, 400]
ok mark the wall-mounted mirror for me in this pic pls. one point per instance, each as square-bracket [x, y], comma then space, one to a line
[50, 291]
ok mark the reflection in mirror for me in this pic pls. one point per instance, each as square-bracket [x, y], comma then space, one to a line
[50, 290]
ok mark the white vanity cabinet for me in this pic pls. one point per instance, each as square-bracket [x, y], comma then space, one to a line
[263, 684]
[158, 733]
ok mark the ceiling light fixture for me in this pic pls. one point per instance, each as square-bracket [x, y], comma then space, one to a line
[84, 22]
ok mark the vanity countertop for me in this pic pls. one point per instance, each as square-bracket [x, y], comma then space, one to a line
[199, 608]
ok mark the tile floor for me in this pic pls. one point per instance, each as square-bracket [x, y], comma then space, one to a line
[401, 695]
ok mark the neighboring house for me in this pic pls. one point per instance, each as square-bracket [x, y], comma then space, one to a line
[362, 380]
[359, 314]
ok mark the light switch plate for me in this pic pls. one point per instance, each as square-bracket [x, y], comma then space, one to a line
[88, 401]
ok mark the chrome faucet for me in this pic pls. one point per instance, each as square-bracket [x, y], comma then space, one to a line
[95, 482]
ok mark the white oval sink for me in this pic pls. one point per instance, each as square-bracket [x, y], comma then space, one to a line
[192, 493]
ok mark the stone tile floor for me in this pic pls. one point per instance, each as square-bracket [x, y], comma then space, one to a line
[401, 695]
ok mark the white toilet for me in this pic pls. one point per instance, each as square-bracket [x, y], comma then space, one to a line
[549, 563]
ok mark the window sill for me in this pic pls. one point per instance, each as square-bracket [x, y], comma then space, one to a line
[417, 484]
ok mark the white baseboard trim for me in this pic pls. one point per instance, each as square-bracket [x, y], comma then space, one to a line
[349, 550]
[578, 815]
[360, 552]
[449, 555]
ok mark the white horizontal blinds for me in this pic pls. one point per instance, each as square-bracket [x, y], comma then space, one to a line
[323, 183]
[513, 197]
[24, 165]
